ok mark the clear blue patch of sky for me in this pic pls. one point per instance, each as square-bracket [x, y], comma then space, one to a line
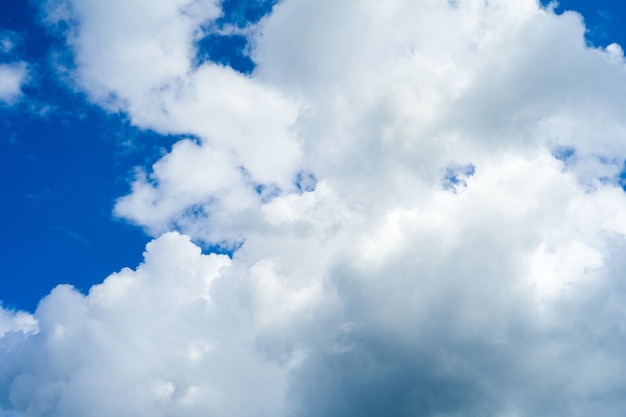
[228, 50]
[59, 177]
[604, 19]
[241, 13]
[230, 46]
[63, 162]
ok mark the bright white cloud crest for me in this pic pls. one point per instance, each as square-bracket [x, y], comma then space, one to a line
[427, 198]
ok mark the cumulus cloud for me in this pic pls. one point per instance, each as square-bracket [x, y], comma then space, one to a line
[158, 339]
[425, 201]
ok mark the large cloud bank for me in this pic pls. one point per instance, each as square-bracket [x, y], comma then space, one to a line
[425, 201]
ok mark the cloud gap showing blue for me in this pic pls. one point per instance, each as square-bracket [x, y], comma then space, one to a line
[241, 13]
[228, 50]
[564, 153]
[305, 181]
[603, 19]
[456, 176]
[226, 42]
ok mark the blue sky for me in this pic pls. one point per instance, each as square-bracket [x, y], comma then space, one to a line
[63, 161]
[311, 208]
[602, 19]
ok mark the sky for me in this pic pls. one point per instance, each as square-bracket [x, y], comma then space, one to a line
[308, 208]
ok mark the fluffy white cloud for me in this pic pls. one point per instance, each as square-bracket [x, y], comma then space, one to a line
[167, 338]
[12, 76]
[141, 58]
[123, 51]
[16, 322]
[427, 198]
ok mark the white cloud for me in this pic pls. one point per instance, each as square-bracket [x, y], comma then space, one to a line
[383, 290]
[12, 76]
[144, 64]
[123, 51]
[16, 322]
[153, 340]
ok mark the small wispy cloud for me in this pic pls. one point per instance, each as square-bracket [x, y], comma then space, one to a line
[12, 76]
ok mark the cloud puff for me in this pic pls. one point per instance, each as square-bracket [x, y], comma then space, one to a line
[12, 76]
[8, 41]
[427, 204]
[16, 322]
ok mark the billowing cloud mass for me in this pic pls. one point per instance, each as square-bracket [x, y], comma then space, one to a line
[424, 200]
